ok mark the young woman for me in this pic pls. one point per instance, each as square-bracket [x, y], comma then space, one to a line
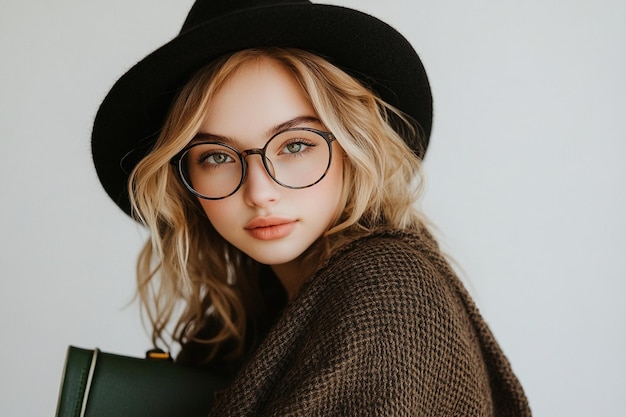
[273, 150]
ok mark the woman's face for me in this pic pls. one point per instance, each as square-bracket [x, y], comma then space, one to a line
[272, 224]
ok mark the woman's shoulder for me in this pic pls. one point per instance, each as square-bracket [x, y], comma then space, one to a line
[388, 254]
[385, 269]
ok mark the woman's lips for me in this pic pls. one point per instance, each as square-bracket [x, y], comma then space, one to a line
[270, 228]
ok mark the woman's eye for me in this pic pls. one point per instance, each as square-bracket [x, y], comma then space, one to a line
[296, 147]
[217, 159]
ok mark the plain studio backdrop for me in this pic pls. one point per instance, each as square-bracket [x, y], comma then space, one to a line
[525, 182]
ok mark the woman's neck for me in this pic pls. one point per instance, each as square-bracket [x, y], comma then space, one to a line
[292, 275]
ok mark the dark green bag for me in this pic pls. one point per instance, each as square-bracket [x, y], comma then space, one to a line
[97, 384]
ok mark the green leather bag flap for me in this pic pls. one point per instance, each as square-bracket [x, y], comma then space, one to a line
[97, 384]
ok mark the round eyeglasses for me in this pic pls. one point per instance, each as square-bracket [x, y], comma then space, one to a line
[294, 158]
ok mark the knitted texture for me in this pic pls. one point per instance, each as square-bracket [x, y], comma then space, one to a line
[384, 328]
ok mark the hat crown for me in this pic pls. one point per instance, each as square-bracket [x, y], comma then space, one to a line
[205, 10]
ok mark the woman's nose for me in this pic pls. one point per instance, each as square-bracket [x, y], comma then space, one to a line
[260, 190]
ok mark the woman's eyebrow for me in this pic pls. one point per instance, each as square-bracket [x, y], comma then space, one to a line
[210, 137]
[291, 123]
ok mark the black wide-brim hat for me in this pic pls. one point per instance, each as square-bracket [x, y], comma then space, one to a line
[132, 114]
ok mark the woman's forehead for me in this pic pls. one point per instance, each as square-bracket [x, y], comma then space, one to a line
[257, 100]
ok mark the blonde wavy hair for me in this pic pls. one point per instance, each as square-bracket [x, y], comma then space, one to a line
[188, 275]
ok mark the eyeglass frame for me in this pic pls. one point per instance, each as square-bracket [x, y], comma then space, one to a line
[177, 160]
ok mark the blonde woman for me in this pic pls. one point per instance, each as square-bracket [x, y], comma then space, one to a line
[273, 150]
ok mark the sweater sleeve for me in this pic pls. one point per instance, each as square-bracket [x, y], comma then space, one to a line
[379, 332]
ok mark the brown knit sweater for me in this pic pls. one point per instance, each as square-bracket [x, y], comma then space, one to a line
[384, 328]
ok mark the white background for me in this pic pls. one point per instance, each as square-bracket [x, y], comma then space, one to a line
[526, 183]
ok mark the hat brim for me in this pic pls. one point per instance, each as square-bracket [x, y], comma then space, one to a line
[132, 114]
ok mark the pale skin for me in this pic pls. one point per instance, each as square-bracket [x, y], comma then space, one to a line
[272, 224]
